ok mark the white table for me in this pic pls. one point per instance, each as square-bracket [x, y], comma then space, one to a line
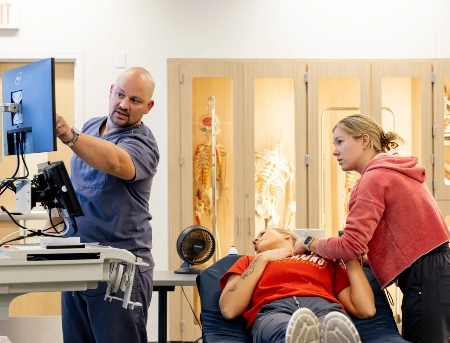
[26, 268]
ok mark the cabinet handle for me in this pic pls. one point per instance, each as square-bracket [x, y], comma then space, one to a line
[249, 226]
[239, 225]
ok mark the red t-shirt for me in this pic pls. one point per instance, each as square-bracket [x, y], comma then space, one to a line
[299, 275]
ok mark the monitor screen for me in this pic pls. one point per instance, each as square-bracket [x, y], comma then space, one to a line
[32, 128]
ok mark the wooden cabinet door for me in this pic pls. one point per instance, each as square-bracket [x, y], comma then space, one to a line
[402, 102]
[335, 89]
[275, 147]
[200, 90]
[441, 125]
[190, 135]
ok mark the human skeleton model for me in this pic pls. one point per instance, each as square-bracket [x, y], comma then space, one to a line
[274, 178]
[203, 170]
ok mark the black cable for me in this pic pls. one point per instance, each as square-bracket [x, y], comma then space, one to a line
[54, 227]
[28, 235]
[193, 312]
[7, 184]
[32, 234]
[12, 218]
[27, 172]
[17, 155]
[22, 153]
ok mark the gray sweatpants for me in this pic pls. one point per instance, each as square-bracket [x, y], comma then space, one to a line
[272, 320]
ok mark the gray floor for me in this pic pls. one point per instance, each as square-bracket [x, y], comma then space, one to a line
[32, 329]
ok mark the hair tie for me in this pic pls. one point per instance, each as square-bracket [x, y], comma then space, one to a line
[391, 145]
[387, 144]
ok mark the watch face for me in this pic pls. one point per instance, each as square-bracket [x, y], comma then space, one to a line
[308, 240]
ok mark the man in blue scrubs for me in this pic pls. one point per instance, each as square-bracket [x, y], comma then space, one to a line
[112, 169]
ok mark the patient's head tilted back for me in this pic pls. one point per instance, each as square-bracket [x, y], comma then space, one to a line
[274, 238]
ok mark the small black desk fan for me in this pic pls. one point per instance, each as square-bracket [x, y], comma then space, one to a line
[195, 245]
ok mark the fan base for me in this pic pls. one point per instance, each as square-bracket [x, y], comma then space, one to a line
[186, 268]
[187, 271]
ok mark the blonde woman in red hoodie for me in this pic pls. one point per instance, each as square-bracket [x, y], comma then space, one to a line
[395, 221]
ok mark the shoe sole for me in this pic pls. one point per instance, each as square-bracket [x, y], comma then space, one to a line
[338, 328]
[303, 327]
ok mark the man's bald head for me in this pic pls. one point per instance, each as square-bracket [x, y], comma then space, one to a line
[139, 74]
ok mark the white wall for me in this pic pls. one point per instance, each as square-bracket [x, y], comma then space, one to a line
[151, 31]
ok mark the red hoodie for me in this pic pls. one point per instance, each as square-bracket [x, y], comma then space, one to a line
[393, 218]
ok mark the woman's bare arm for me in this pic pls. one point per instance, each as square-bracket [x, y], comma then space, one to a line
[238, 291]
[358, 298]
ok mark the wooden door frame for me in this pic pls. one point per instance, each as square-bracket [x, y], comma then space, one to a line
[75, 57]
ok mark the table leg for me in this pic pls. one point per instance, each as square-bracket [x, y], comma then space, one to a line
[162, 311]
[162, 317]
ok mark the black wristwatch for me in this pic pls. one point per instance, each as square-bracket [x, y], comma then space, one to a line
[76, 134]
[308, 241]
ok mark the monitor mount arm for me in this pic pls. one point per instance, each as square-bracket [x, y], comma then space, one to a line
[23, 186]
[9, 107]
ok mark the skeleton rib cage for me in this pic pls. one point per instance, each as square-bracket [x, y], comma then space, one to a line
[203, 177]
[272, 173]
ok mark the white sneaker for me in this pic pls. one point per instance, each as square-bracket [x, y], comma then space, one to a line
[303, 327]
[338, 328]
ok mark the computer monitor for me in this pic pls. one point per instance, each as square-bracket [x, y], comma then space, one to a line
[32, 128]
[57, 189]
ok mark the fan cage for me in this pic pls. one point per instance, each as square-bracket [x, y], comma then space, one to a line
[195, 245]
